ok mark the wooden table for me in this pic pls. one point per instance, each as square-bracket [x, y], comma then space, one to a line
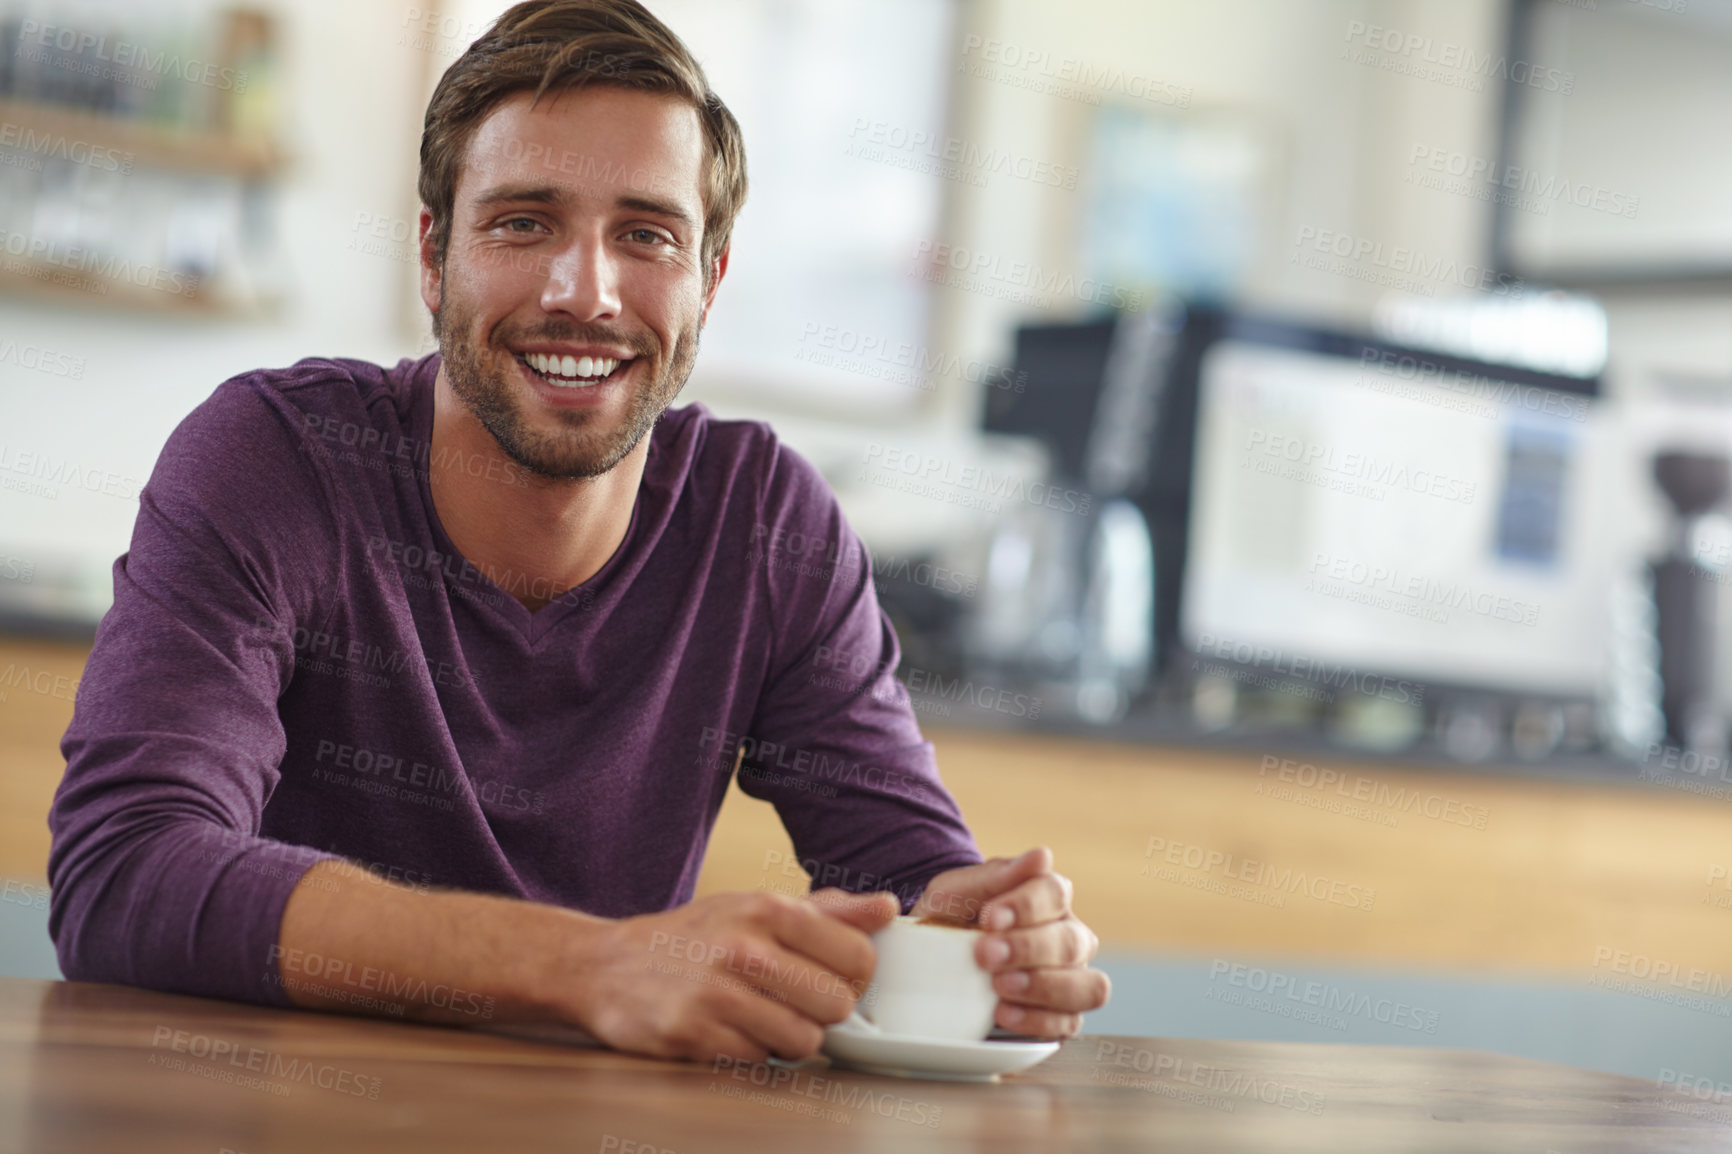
[104, 1068]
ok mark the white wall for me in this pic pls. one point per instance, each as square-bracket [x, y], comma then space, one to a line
[356, 79]
[353, 128]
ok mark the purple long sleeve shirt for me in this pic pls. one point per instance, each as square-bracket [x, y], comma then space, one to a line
[300, 665]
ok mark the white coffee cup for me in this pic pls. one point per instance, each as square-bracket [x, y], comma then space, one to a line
[927, 983]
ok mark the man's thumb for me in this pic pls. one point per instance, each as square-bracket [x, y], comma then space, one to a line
[971, 887]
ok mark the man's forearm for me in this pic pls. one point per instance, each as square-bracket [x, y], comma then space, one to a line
[352, 941]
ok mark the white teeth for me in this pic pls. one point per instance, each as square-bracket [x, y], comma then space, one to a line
[576, 370]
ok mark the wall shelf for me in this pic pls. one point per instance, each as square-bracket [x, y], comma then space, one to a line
[150, 144]
[52, 283]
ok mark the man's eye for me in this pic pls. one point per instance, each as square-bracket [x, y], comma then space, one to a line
[517, 220]
[647, 235]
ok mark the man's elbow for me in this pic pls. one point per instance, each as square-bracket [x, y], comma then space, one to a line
[83, 945]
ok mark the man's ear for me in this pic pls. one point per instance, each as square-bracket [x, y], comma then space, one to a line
[718, 269]
[432, 272]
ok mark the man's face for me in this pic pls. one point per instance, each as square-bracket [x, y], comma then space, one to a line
[572, 292]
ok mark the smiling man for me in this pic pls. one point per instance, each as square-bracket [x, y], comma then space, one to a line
[500, 626]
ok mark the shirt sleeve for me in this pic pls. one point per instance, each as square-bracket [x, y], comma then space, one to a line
[158, 875]
[834, 743]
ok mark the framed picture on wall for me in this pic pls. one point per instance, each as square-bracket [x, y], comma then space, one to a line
[1174, 202]
[1615, 158]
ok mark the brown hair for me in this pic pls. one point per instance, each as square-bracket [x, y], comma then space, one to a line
[560, 45]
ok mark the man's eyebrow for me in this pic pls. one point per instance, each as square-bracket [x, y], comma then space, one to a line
[539, 193]
[552, 194]
[665, 208]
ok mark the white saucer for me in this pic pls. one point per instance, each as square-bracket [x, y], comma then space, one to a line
[852, 1043]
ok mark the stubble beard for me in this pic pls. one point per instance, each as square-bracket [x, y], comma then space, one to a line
[577, 449]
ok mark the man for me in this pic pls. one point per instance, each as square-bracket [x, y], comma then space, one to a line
[490, 621]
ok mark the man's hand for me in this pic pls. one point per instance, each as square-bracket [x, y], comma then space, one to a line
[746, 975]
[1036, 949]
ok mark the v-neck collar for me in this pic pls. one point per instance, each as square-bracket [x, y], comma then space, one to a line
[533, 627]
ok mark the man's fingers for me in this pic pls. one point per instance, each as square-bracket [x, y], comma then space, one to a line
[815, 992]
[960, 894]
[771, 1024]
[719, 1041]
[827, 953]
[1038, 1023]
[1065, 943]
[1070, 989]
[1043, 898]
[867, 913]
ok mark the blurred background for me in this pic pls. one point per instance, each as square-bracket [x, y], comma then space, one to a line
[1291, 436]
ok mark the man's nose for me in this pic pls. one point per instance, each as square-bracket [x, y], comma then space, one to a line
[583, 280]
